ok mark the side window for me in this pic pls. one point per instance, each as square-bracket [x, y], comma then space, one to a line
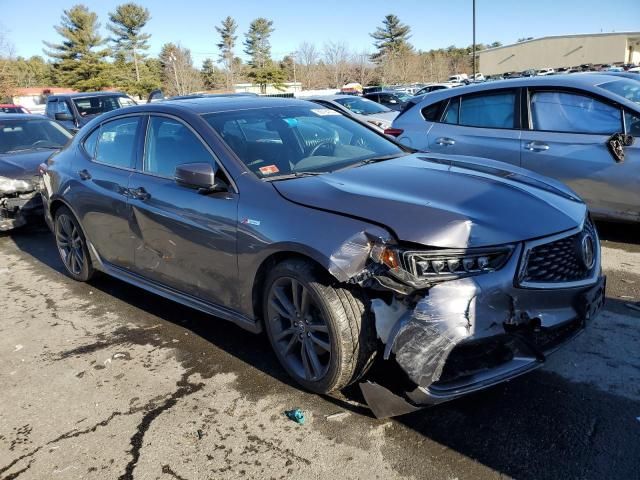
[62, 107]
[451, 115]
[171, 143]
[573, 113]
[116, 143]
[489, 111]
[432, 112]
[51, 108]
[91, 141]
[632, 123]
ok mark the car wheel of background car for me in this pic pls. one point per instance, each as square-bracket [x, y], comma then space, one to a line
[322, 334]
[72, 245]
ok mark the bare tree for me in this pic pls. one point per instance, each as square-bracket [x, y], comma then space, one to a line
[307, 58]
[336, 58]
[179, 75]
[362, 68]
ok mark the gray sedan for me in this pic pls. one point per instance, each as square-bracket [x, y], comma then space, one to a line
[578, 129]
[368, 111]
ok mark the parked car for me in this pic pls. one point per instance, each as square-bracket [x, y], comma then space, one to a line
[25, 142]
[437, 86]
[74, 110]
[278, 215]
[389, 98]
[365, 110]
[12, 108]
[561, 126]
[545, 71]
[459, 78]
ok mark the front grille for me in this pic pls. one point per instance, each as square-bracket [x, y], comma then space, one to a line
[558, 261]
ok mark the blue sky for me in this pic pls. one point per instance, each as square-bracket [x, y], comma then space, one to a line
[433, 23]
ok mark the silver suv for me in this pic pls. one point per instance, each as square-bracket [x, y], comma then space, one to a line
[576, 128]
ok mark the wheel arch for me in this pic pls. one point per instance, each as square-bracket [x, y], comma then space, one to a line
[271, 261]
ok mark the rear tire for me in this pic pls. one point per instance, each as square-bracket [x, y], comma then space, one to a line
[72, 246]
[321, 333]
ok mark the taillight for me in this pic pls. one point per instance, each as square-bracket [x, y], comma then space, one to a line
[394, 132]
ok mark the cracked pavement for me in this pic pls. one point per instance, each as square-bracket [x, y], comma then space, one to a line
[104, 380]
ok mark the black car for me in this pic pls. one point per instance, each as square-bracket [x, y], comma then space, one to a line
[76, 109]
[25, 142]
[389, 98]
[287, 216]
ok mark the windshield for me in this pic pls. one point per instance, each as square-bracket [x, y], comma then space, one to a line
[404, 97]
[11, 110]
[625, 87]
[362, 106]
[101, 104]
[277, 141]
[28, 134]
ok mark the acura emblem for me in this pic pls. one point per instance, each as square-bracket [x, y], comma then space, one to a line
[587, 251]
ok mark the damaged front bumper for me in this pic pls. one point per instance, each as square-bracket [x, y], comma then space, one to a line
[16, 209]
[468, 334]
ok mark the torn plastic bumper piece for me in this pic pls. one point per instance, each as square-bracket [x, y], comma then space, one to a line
[469, 334]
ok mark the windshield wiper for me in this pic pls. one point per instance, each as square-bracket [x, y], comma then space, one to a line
[287, 176]
[367, 161]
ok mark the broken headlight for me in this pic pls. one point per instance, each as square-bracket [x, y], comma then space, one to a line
[439, 265]
[11, 185]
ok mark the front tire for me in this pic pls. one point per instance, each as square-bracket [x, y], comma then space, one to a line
[322, 334]
[72, 246]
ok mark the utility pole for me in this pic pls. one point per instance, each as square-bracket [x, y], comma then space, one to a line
[474, 41]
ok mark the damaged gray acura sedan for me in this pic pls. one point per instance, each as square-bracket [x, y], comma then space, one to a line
[284, 216]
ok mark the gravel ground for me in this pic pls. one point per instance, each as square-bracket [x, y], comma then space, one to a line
[104, 380]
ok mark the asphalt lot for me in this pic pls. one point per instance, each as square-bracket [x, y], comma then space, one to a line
[104, 380]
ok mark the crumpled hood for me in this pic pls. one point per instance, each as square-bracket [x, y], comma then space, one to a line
[23, 165]
[444, 200]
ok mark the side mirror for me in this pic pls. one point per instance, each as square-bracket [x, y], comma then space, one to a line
[63, 117]
[199, 176]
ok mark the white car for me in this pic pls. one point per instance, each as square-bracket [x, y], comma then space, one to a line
[437, 86]
[365, 110]
[545, 71]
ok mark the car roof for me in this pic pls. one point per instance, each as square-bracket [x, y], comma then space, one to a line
[87, 94]
[22, 116]
[586, 81]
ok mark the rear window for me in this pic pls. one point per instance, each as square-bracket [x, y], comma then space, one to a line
[433, 112]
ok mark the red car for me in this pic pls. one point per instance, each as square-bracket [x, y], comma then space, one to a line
[12, 108]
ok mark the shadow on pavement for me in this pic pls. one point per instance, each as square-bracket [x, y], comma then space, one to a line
[540, 426]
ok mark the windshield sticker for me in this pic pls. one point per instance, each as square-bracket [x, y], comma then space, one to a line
[324, 112]
[269, 170]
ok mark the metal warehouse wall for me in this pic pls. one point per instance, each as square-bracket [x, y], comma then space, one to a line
[567, 51]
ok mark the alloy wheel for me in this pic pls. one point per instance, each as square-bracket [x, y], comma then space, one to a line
[70, 244]
[298, 329]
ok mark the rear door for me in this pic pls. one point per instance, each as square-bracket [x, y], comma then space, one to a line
[103, 167]
[183, 239]
[486, 124]
[567, 140]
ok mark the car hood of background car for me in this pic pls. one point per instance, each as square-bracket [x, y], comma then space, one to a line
[23, 165]
[444, 201]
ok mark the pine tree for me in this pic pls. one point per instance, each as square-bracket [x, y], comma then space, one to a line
[127, 22]
[212, 76]
[257, 44]
[392, 38]
[78, 61]
[227, 45]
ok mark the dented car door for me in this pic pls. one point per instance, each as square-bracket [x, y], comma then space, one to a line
[183, 239]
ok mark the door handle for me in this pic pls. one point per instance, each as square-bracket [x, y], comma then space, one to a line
[536, 146]
[445, 141]
[139, 193]
[84, 174]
